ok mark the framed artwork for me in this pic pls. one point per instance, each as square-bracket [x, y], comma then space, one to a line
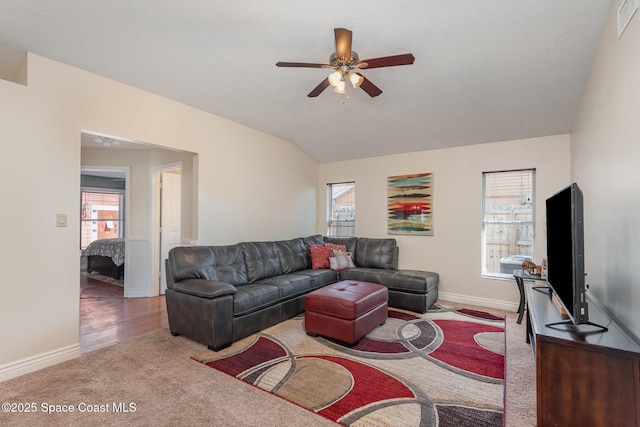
[410, 204]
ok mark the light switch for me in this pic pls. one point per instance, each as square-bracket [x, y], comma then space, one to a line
[61, 220]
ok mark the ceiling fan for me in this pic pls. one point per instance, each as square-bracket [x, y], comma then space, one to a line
[346, 64]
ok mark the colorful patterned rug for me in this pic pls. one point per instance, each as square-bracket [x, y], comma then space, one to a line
[442, 368]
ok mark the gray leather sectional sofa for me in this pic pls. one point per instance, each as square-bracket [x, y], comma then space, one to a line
[219, 294]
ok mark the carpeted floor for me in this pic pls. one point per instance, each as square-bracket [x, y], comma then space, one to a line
[155, 375]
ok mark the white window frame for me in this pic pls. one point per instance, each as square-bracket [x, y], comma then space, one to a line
[494, 262]
[341, 221]
[92, 215]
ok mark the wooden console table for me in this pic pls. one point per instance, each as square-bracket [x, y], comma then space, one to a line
[582, 378]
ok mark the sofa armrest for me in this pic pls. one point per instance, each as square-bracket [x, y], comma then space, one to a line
[204, 288]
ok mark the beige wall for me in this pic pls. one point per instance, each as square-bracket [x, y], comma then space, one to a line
[250, 186]
[140, 162]
[605, 148]
[455, 250]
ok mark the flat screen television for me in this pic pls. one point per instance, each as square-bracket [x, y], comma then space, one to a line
[565, 252]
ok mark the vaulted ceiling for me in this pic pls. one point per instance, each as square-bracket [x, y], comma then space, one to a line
[484, 70]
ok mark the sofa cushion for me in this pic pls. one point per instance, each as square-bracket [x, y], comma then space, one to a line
[289, 285]
[376, 253]
[250, 298]
[316, 239]
[262, 260]
[219, 263]
[409, 281]
[293, 254]
[319, 277]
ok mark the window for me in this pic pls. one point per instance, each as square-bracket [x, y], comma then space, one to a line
[341, 209]
[508, 221]
[101, 216]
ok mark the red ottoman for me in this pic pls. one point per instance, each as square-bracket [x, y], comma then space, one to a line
[346, 311]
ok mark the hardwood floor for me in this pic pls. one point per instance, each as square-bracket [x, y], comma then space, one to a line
[106, 317]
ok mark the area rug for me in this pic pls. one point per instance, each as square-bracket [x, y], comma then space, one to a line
[442, 368]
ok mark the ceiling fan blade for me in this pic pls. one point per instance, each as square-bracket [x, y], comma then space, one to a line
[369, 87]
[343, 43]
[318, 89]
[302, 65]
[387, 61]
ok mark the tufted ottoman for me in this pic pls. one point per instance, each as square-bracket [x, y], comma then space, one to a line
[346, 311]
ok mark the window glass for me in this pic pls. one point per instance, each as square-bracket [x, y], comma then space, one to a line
[101, 216]
[341, 209]
[508, 221]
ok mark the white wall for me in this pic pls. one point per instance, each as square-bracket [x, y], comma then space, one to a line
[455, 249]
[250, 186]
[605, 148]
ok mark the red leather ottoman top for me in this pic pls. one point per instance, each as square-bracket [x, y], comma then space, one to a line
[348, 299]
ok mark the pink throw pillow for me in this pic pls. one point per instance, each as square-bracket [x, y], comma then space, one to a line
[341, 262]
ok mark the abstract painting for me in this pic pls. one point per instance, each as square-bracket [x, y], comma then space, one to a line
[410, 204]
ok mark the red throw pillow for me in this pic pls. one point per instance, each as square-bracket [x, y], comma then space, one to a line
[320, 255]
[336, 248]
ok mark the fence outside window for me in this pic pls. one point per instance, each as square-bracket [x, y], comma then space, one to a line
[508, 221]
[341, 209]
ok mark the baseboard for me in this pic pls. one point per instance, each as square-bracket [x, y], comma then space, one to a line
[136, 293]
[35, 363]
[483, 302]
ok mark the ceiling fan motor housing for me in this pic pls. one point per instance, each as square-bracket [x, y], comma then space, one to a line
[349, 63]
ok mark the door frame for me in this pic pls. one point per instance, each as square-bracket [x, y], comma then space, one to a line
[156, 210]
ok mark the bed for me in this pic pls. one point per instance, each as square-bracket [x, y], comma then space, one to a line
[106, 256]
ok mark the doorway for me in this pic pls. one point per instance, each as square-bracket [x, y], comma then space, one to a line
[167, 218]
[103, 217]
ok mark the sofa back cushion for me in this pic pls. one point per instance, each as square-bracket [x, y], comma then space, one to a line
[221, 263]
[376, 253]
[262, 260]
[316, 239]
[294, 255]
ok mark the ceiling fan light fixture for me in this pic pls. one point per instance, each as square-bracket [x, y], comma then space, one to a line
[345, 62]
[106, 142]
[356, 80]
[334, 78]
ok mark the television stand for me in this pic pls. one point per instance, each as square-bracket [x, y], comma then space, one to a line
[575, 328]
[543, 289]
[582, 379]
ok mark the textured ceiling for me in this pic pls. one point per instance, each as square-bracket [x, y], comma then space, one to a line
[484, 70]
